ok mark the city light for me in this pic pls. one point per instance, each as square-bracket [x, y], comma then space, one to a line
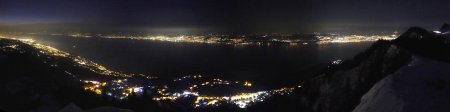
[51, 51]
[353, 38]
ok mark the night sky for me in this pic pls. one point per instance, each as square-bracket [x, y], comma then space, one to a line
[303, 16]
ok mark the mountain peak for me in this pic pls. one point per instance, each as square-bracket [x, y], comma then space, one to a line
[445, 28]
[426, 43]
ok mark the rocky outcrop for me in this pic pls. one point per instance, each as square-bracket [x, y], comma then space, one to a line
[340, 87]
[420, 86]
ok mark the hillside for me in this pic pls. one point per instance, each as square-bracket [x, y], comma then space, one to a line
[382, 74]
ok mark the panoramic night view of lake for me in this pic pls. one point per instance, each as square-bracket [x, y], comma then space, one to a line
[272, 65]
[224, 56]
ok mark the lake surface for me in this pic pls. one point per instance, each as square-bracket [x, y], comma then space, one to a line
[263, 65]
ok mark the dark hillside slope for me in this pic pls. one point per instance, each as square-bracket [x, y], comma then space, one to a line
[340, 87]
[27, 83]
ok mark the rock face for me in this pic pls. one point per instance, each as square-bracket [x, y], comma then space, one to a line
[340, 88]
[420, 86]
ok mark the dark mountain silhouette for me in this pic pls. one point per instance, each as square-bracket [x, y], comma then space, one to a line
[445, 28]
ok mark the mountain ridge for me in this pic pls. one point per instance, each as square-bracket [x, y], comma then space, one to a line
[342, 89]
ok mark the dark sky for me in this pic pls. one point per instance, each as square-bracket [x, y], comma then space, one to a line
[225, 15]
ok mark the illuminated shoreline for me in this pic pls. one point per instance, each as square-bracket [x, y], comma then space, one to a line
[48, 50]
[122, 88]
[239, 40]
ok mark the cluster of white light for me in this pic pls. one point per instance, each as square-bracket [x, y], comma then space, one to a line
[337, 62]
[119, 87]
[242, 100]
[354, 38]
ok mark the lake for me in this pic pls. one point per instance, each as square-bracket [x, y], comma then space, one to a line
[269, 66]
